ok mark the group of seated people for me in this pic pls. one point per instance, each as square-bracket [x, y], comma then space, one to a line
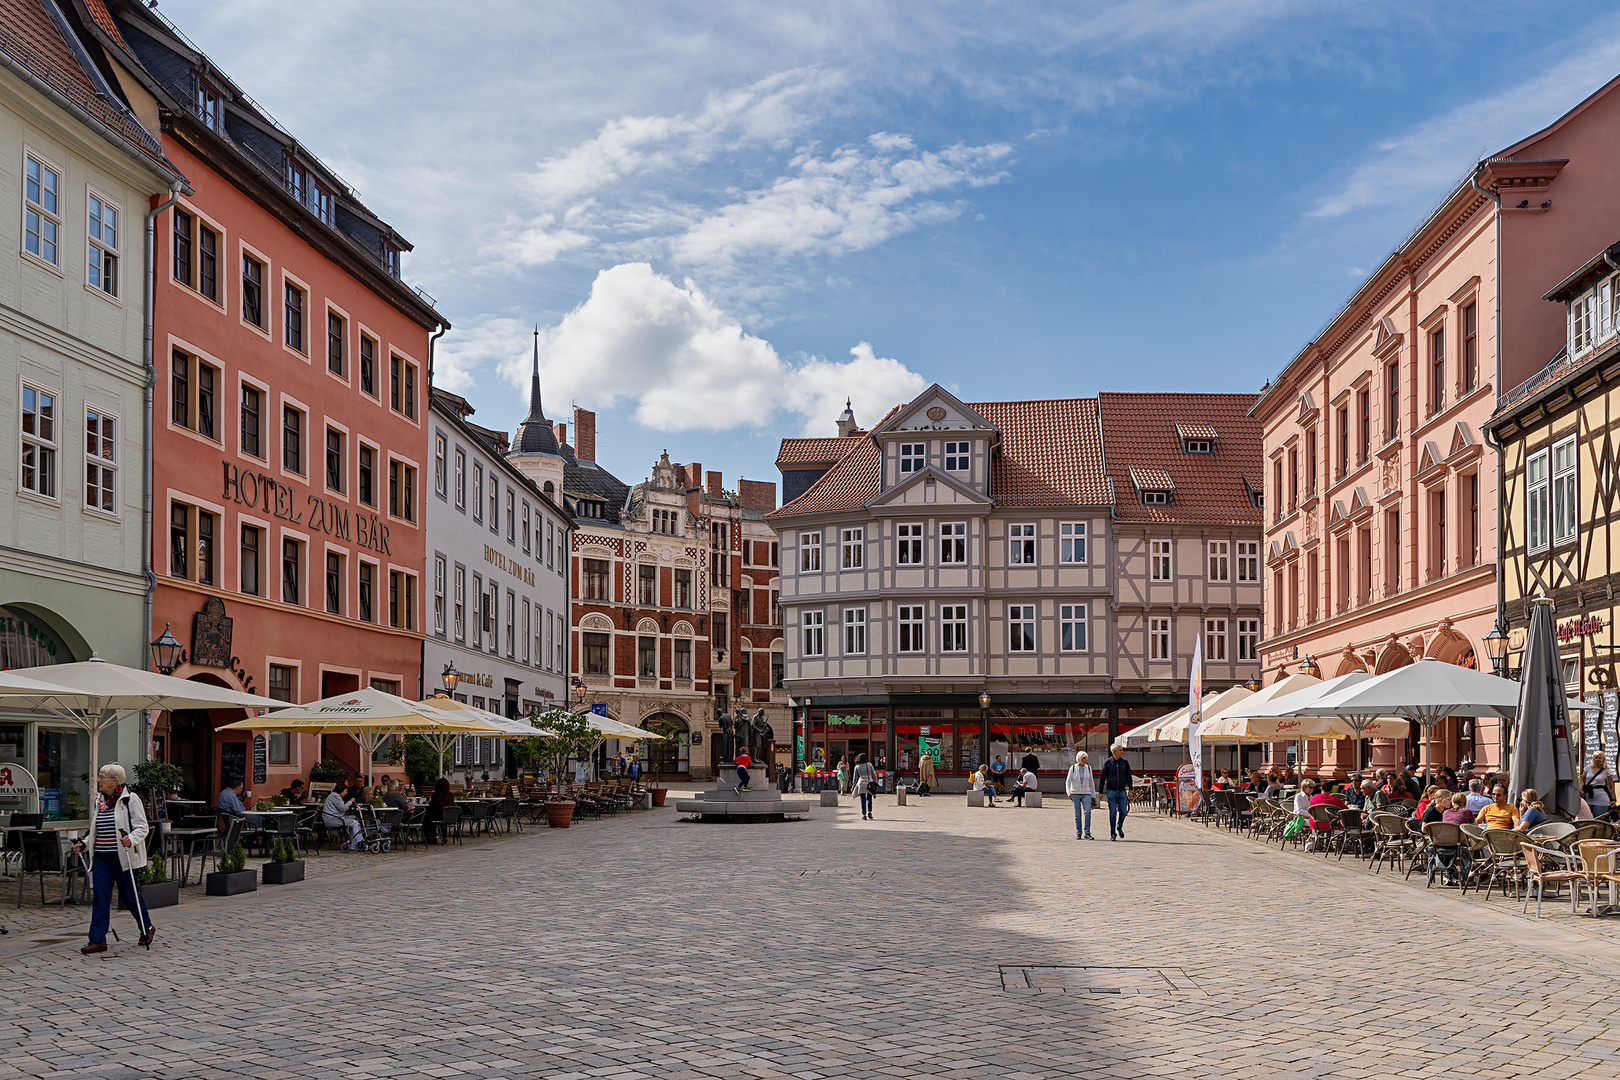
[983, 780]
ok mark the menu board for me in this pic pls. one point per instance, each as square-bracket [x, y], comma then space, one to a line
[232, 763]
[1589, 726]
[1611, 711]
[261, 758]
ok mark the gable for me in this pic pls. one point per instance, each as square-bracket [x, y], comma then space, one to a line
[929, 488]
[935, 409]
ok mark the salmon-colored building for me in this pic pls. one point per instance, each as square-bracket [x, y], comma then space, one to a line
[290, 452]
[1382, 495]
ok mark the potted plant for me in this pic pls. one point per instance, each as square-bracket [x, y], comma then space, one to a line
[328, 771]
[284, 867]
[563, 735]
[156, 780]
[231, 878]
[156, 888]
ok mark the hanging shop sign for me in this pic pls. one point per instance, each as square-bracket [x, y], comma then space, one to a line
[1585, 626]
[211, 635]
[265, 492]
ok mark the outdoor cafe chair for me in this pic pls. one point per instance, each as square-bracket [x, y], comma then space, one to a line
[1596, 863]
[11, 846]
[43, 853]
[1587, 830]
[1393, 841]
[1550, 830]
[1547, 866]
[1506, 859]
[1323, 825]
[221, 844]
[1444, 853]
[449, 824]
[1354, 830]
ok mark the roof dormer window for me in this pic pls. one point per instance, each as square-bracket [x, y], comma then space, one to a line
[1154, 487]
[210, 106]
[309, 191]
[1196, 438]
[1155, 498]
[390, 259]
[1198, 446]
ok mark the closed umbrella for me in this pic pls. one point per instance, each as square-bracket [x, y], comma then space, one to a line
[1541, 756]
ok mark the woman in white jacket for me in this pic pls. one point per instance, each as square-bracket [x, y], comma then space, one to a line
[117, 845]
[1081, 788]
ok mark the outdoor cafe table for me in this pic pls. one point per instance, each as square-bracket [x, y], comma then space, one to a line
[188, 840]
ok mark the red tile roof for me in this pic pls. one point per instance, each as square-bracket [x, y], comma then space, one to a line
[851, 483]
[103, 17]
[35, 31]
[1051, 453]
[1194, 430]
[816, 451]
[1151, 478]
[1209, 488]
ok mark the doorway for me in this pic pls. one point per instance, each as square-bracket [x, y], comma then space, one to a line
[191, 746]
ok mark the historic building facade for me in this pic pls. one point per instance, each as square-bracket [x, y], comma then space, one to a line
[80, 174]
[1382, 524]
[289, 426]
[972, 581]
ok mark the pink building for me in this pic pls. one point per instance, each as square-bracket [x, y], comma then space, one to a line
[1382, 497]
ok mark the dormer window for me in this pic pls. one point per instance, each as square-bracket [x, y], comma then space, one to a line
[1153, 485]
[210, 106]
[1198, 446]
[1155, 498]
[913, 456]
[1196, 438]
[308, 190]
[390, 259]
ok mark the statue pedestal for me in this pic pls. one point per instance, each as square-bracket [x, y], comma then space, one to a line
[760, 803]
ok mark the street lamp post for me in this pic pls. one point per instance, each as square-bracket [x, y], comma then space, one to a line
[984, 726]
[449, 677]
[166, 652]
[1496, 648]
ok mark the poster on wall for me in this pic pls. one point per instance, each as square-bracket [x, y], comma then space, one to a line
[930, 745]
[1611, 713]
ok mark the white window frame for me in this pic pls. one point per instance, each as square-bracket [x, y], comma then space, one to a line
[1022, 631]
[1248, 560]
[913, 458]
[910, 621]
[461, 603]
[908, 545]
[1248, 639]
[1537, 500]
[1160, 643]
[1220, 560]
[1022, 549]
[854, 632]
[46, 485]
[478, 493]
[42, 216]
[1073, 625]
[1565, 492]
[958, 456]
[953, 628]
[101, 243]
[441, 477]
[953, 543]
[1072, 543]
[1215, 641]
[438, 594]
[461, 479]
[1161, 560]
[851, 548]
[1582, 323]
[810, 553]
[101, 469]
[813, 638]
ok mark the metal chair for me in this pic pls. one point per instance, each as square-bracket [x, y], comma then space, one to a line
[1507, 859]
[1550, 830]
[42, 853]
[1444, 851]
[1560, 867]
[1393, 841]
[1323, 824]
[222, 844]
[1353, 828]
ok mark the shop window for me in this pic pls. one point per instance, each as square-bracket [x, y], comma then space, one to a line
[62, 770]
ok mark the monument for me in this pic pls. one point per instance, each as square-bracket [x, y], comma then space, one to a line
[760, 802]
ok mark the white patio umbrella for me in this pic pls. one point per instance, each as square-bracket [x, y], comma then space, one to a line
[505, 727]
[1174, 729]
[1144, 735]
[92, 693]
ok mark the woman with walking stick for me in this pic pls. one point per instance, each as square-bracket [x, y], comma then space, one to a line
[117, 841]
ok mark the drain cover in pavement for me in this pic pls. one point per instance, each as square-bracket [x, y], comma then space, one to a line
[841, 873]
[1098, 980]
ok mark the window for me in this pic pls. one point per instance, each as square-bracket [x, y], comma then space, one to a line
[1582, 323]
[683, 658]
[208, 262]
[1437, 370]
[1310, 462]
[596, 653]
[526, 638]
[460, 603]
[402, 490]
[337, 355]
[212, 111]
[1021, 545]
[1159, 556]
[1072, 623]
[1470, 348]
[1344, 442]
[179, 540]
[913, 456]
[192, 388]
[42, 210]
[368, 476]
[1364, 419]
[528, 543]
[511, 627]
[953, 628]
[1021, 627]
[440, 449]
[1218, 561]
[253, 291]
[1072, 542]
[248, 559]
[334, 460]
[100, 461]
[1155, 498]
[368, 365]
[953, 542]
[1564, 494]
[494, 503]
[461, 479]
[909, 545]
[38, 441]
[1214, 640]
[1278, 502]
[647, 585]
[438, 599]
[1537, 494]
[1248, 639]
[854, 631]
[101, 254]
[402, 602]
[683, 588]
[368, 587]
[1392, 388]
[1197, 446]
[909, 619]
[511, 515]
[480, 611]
[1293, 478]
[1158, 639]
[291, 563]
[851, 544]
[596, 579]
[1392, 552]
[251, 405]
[549, 546]
[812, 627]
[293, 313]
[278, 747]
[810, 552]
[958, 456]
[292, 439]
[334, 583]
[1248, 560]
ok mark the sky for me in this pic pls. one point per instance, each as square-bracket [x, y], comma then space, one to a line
[726, 218]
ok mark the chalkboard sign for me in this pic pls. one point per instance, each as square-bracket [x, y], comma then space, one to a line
[261, 758]
[1611, 711]
[232, 763]
[1589, 726]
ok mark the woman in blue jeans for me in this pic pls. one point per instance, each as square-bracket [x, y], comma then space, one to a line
[1081, 788]
[865, 779]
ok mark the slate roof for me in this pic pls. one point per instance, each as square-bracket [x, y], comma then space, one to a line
[1051, 452]
[1139, 435]
[535, 435]
[588, 480]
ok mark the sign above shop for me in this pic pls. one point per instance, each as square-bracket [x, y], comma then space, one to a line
[1585, 626]
[211, 635]
[835, 721]
[17, 782]
[24, 643]
[281, 500]
[501, 562]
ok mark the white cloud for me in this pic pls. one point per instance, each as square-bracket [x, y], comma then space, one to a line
[685, 364]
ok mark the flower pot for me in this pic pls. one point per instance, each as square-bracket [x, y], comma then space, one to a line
[163, 894]
[658, 795]
[560, 814]
[230, 884]
[282, 873]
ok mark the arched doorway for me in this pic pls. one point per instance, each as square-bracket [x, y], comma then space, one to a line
[672, 755]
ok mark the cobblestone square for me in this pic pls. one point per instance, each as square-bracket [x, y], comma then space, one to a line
[937, 940]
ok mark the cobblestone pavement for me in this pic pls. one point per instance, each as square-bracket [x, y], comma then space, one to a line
[938, 940]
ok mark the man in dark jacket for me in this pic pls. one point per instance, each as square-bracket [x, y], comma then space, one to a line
[1116, 785]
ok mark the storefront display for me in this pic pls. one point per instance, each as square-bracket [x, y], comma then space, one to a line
[63, 773]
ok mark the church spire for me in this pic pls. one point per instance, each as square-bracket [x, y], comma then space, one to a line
[535, 410]
[535, 434]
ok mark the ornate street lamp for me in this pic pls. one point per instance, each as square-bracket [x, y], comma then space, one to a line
[1496, 645]
[1309, 667]
[984, 726]
[166, 652]
[450, 677]
[1253, 684]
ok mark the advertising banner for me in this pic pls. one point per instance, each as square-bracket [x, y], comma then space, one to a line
[1187, 788]
[1195, 712]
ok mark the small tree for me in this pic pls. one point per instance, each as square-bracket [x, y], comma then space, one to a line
[329, 771]
[565, 735]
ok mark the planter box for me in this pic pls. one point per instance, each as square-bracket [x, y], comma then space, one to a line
[163, 894]
[659, 794]
[230, 884]
[282, 873]
[559, 815]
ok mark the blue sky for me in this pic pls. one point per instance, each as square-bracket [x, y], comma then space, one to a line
[726, 217]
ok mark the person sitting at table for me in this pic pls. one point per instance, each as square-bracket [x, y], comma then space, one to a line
[1458, 814]
[230, 798]
[1433, 805]
[334, 815]
[1373, 797]
[1274, 787]
[295, 793]
[1425, 802]
[1500, 814]
[1531, 810]
[1322, 798]
[394, 799]
[1476, 798]
[433, 816]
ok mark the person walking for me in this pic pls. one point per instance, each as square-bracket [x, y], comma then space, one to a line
[925, 774]
[1116, 781]
[117, 841]
[865, 782]
[1081, 787]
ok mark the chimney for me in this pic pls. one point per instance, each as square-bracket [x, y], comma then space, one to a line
[846, 421]
[693, 475]
[713, 484]
[757, 495]
[562, 434]
[584, 434]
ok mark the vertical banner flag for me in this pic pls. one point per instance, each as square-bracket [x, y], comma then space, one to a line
[1195, 709]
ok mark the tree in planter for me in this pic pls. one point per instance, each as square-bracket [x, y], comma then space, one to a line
[328, 771]
[155, 779]
[564, 735]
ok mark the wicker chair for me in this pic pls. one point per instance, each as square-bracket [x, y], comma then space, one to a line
[1506, 859]
[1545, 866]
[1392, 841]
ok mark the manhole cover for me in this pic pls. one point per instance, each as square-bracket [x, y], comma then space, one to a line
[1098, 980]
